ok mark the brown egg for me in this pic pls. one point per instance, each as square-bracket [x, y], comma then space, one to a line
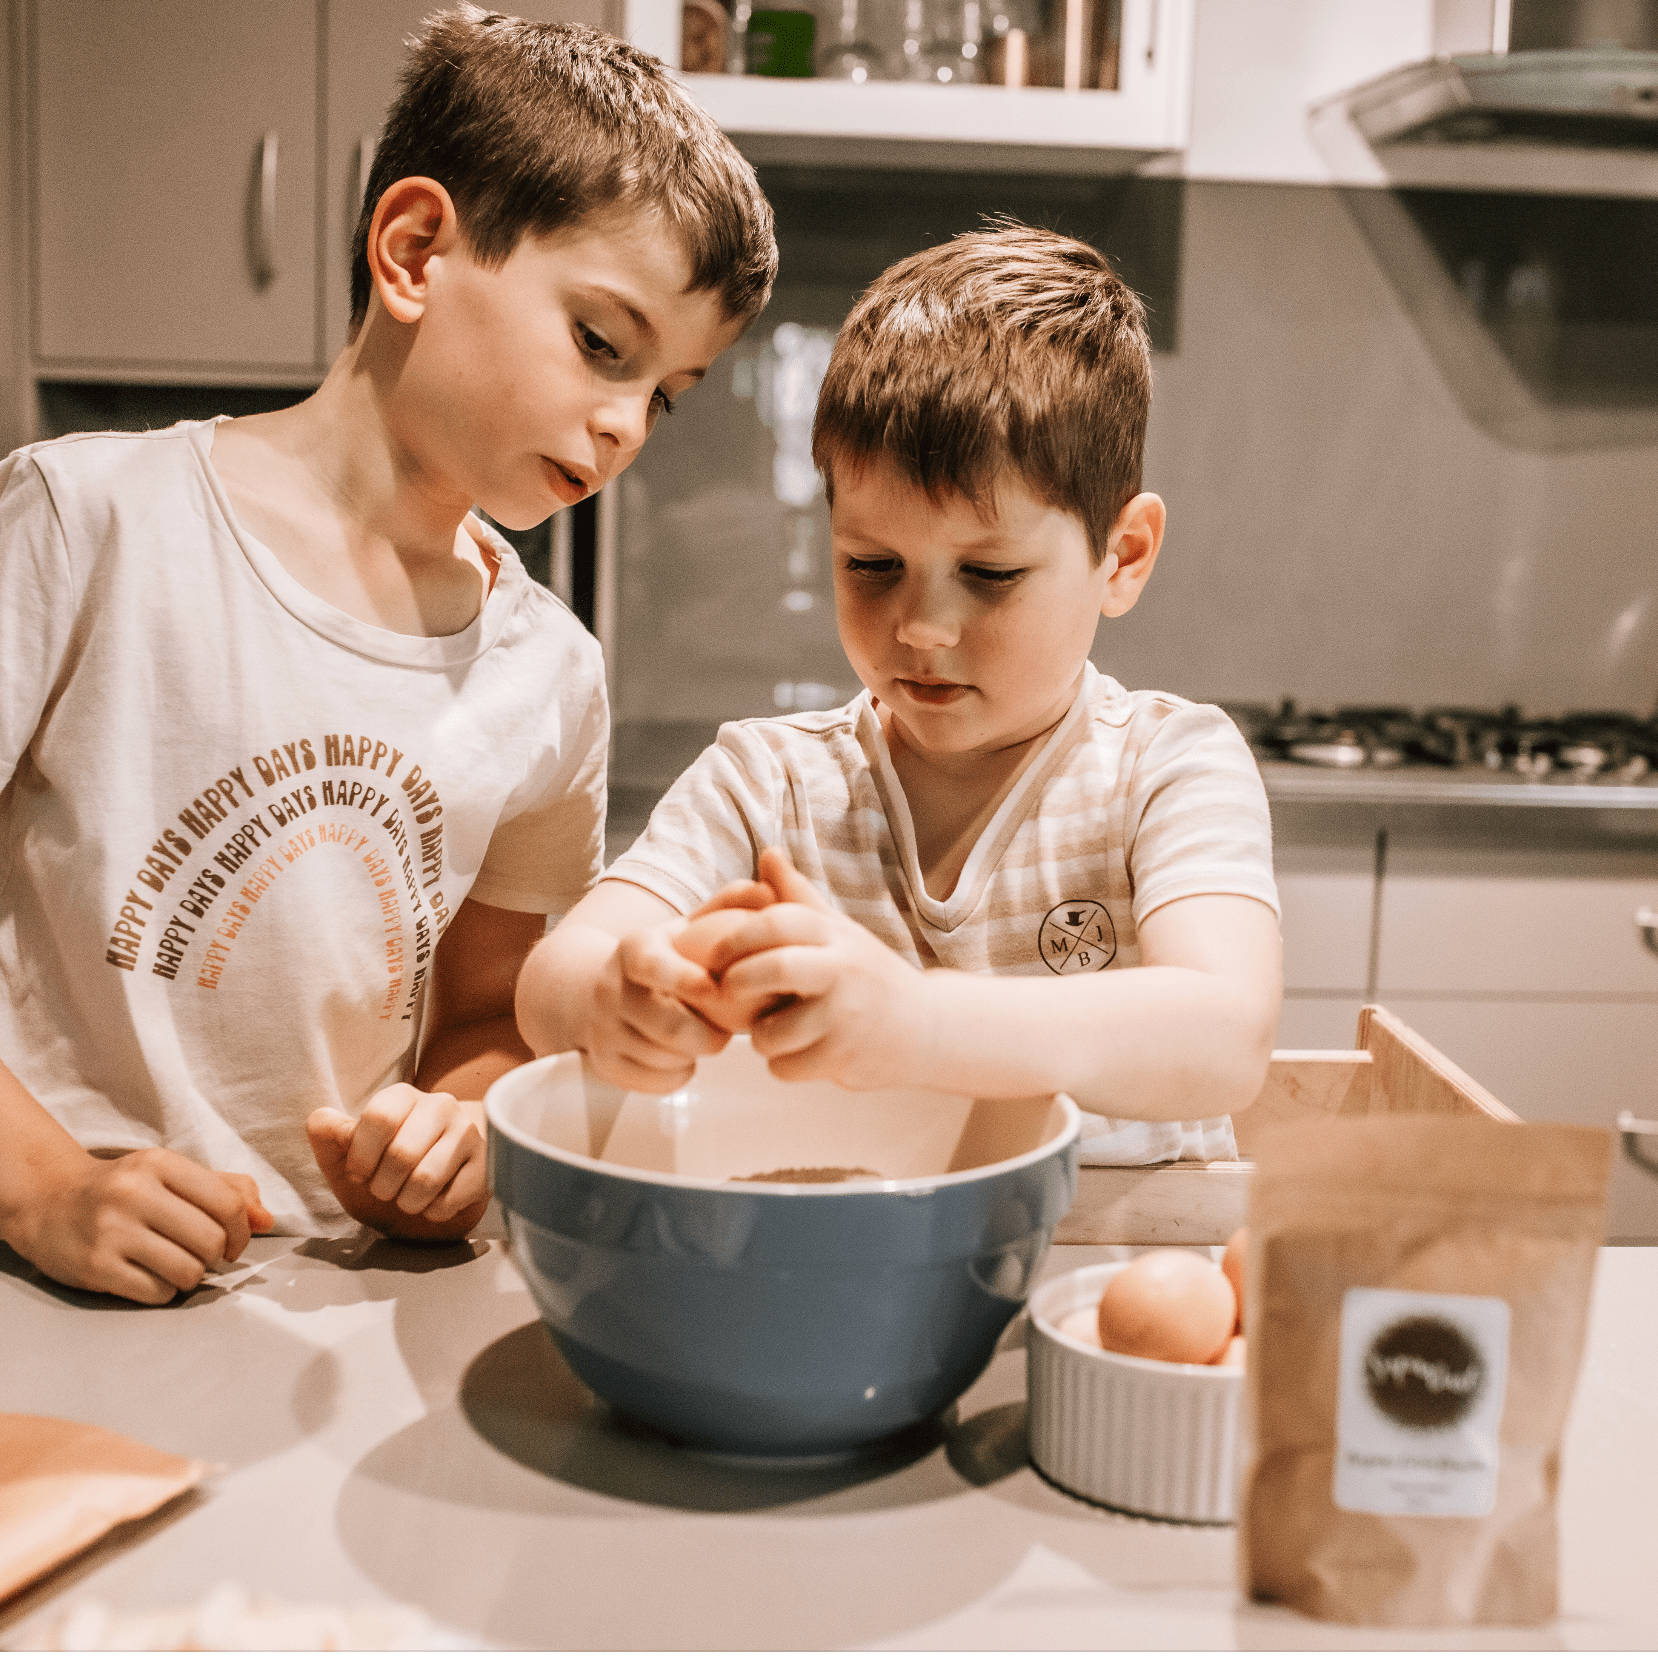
[1232, 1264]
[1235, 1355]
[1170, 1305]
[707, 942]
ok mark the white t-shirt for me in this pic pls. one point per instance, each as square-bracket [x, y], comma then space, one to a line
[234, 821]
[1137, 799]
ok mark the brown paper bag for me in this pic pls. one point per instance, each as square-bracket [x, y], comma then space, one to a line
[64, 1484]
[1416, 1295]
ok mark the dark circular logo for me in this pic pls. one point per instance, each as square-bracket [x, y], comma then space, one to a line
[1424, 1372]
[1077, 937]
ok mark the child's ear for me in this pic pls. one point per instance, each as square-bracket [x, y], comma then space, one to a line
[413, 221]
[1134, 542]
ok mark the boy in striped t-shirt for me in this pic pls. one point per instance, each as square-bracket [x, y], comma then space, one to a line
[996, 872]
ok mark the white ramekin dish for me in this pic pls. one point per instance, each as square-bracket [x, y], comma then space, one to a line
[1136, 1434]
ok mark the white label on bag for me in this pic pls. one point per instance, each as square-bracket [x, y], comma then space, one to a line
[1419, 1398]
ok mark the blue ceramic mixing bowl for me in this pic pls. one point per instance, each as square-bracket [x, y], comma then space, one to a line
[795, 1316]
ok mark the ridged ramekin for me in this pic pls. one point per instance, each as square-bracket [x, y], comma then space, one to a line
[1136, 1434]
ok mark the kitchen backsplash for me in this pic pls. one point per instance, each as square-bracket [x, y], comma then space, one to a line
[1408, 442]
[1408, 445]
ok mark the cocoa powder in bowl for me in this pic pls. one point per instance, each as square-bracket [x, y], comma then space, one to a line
[811, 1177]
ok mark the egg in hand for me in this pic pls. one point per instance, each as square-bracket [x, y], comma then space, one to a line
[1170, 1305]
[709, 941]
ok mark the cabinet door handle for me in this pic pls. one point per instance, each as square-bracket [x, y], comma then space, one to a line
[365, 166]
[1634, 1129]
[1647, 921]
[264, 239]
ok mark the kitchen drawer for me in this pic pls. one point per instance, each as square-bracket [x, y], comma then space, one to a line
[1562, 1062]
[1326, 893]
[1456, 921]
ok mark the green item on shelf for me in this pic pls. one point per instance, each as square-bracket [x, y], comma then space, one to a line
[780, 42]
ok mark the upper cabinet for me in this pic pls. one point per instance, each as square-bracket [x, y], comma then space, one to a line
[174, 168]
[196, 168]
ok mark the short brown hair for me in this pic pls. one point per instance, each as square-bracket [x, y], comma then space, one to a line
[1010, 346]
[534, 126]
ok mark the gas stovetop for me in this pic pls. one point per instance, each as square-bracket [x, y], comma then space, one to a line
[1607, 747]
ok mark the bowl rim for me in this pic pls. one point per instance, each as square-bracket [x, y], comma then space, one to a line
[1059, 1297]
[912, 1185]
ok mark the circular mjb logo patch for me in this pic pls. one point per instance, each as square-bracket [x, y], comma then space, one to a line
[1423, 1372]
[1077, 937]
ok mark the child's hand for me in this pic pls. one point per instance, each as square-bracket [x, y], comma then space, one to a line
[142, 1226]
[411, 1166]
[714, 937]
[645, 1032]
[260, 1219]
[737, 895]
[855, 1012]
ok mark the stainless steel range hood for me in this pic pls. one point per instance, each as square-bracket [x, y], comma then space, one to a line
[1597, 98]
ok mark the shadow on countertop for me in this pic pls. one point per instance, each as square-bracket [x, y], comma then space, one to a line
[521, 1397]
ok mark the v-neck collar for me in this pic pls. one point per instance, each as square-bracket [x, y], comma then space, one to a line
[945, 915]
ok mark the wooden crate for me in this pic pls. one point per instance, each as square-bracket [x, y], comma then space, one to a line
[1391, 1069]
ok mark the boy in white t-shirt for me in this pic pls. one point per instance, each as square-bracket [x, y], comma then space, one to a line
[996, 872]
[295, 759]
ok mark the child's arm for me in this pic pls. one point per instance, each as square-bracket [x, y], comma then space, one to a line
[609, 981]
[1186, 1035]
[143, 1226]
[413, 1164]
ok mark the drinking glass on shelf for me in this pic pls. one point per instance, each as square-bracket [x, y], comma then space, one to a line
[941, 42]
[846, 52]
[736, 38]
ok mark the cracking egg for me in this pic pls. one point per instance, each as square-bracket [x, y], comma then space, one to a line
[707, 942]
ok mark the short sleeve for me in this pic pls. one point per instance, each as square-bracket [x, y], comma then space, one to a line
[711, 826]
[548, 848]
[1197, 821]
[37, 605]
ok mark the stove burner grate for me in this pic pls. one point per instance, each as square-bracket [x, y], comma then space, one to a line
[1609, 744]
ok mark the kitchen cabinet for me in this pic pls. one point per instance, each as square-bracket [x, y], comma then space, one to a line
[174, 187]
[195, 173]
[1326, 893]
[196, 169]
[1525, 966]
[1534, 923]
[1506, 936]
[1561, 1062]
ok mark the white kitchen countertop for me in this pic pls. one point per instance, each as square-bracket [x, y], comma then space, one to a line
[395, 1425]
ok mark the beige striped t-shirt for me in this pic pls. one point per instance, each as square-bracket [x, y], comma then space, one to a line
[1138, 798]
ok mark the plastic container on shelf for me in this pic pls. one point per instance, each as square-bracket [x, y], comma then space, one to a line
[941, 42]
